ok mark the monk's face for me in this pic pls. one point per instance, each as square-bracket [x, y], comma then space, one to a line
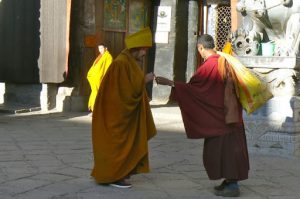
[101, 49]
[141, 54]
[201, 51]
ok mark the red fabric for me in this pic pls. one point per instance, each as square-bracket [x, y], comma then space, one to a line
[201, 102]
[226, 157]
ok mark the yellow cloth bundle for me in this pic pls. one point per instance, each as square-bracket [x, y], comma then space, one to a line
[252, 91]
[227, 48]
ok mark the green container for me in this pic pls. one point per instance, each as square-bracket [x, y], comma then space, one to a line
[267, 49]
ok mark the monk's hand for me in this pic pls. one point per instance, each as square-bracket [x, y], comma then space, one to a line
[164, 81]
[149, 77]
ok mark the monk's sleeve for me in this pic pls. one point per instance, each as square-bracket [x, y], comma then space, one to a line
[121, 94]
[201, 102]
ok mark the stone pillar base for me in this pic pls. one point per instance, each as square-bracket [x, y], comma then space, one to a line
[275, 128]
[2, 92]
[47, 96]
[34, 97]
[65, 101]
[25, 95]
[275, 142]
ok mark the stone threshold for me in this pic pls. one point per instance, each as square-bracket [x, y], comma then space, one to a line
[18, 108]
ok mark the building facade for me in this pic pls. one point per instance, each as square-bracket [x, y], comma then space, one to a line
[54, 43]
[48, 46]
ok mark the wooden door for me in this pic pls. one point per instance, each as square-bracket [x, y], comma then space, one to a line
[117, 18]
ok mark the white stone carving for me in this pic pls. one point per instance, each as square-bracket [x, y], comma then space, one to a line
[271, 20]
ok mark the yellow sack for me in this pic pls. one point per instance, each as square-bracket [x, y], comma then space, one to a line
[253, 92]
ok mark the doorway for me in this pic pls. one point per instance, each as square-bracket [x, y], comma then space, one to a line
[117, 18]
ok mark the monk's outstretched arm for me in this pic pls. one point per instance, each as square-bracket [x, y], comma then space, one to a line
[164, 81]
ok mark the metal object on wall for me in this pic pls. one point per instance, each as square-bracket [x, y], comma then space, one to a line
[218, 23]
[210, 2]
[223, 26]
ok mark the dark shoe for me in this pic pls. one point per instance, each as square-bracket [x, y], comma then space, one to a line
[127, 177]
[121, 184]
[228, 192]
[221, 186]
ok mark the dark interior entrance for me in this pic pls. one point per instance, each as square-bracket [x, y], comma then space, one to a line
[19, 39]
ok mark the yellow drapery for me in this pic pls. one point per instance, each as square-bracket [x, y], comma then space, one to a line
[122, 122]
[96, 74]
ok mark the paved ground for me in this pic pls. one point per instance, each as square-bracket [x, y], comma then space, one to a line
[49, 156]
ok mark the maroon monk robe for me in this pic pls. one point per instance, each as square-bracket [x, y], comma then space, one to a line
[201, 102]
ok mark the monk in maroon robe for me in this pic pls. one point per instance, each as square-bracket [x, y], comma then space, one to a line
[210, 110]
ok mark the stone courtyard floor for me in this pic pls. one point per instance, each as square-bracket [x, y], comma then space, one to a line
[49, 156]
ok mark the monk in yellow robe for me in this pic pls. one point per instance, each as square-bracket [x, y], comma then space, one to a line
[122, 120]
[97, 72]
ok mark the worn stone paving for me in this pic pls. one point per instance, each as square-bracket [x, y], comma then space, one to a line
[49, 156]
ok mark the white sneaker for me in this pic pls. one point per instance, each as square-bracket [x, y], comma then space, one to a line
[121, 184]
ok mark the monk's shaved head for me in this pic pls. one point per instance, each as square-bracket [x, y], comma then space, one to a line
[206, 41]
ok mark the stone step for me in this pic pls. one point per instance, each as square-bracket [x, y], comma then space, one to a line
[18, 108]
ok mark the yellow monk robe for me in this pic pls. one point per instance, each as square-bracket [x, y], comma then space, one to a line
[96, 74]
[122, 122]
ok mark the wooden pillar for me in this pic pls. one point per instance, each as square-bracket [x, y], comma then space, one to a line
[234, 16]
[54, 50]
[201, 17]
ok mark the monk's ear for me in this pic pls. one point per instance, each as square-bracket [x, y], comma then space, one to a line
[199, 47]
